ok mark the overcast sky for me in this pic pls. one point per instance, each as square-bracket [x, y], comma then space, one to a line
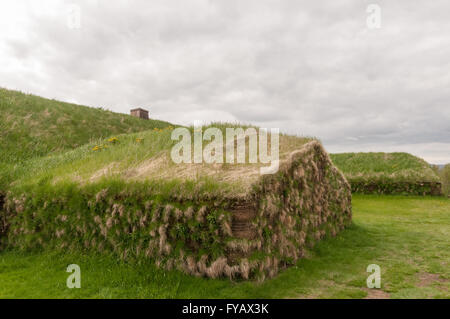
[316, 68]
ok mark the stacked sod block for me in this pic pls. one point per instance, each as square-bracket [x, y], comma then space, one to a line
[392, 187]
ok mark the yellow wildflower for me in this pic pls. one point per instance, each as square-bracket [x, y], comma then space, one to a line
[113, 140]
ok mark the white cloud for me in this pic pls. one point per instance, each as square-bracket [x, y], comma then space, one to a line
[308, 68]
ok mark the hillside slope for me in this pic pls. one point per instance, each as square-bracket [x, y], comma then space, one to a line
[388, 173]
[32, 126]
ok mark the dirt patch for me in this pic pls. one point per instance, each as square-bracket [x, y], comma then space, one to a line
[156, 166]
[46, 113]
[376, 294]
[105, 171]
[62, 120]
[162, 167]
[427, 279]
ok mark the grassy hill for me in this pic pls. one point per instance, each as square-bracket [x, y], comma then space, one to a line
[31, 127]
[386, 172]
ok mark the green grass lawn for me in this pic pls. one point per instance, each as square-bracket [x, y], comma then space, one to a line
[408, 237]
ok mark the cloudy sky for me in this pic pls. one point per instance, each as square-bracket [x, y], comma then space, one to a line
[359, 77]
